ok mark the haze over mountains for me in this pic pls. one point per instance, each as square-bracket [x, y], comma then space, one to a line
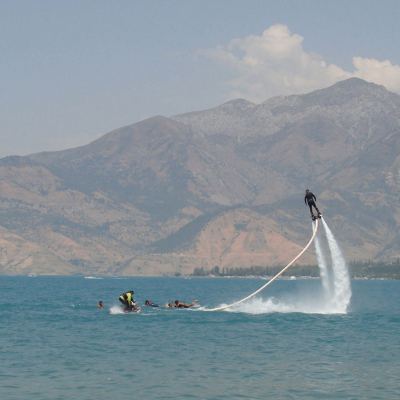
[218, 187]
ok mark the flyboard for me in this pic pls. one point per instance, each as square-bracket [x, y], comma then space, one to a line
[315, 217]
[277, 275]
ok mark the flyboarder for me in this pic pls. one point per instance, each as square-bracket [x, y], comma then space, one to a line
[309, 199]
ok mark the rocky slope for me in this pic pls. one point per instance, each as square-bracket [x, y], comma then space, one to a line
[217, 187]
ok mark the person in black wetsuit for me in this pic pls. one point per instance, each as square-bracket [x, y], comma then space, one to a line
[309, 199]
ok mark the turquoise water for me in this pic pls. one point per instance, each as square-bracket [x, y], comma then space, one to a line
[55, 343]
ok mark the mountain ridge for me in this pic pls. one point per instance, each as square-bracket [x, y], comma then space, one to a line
[212, 187]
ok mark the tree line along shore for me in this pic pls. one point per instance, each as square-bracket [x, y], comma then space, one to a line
[357, 269]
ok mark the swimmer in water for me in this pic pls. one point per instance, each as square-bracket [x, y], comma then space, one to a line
[100, 305]
[178, 304]
[151, 304]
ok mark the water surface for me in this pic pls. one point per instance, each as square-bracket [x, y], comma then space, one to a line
[55, 343]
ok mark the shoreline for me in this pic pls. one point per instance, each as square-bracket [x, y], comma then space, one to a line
[287, 278]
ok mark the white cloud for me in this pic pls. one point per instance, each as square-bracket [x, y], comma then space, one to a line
[276, 64]
[379, 72]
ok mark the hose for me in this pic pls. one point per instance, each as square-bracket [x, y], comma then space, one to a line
[276, 276]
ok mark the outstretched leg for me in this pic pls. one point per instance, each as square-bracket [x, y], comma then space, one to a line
[191, 305]
[312, 204]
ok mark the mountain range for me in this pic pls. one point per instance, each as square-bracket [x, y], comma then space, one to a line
[221, 187]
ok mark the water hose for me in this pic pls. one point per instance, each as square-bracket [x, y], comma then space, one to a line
[276, 276]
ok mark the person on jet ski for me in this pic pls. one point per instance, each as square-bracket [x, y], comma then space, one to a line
[126, 299]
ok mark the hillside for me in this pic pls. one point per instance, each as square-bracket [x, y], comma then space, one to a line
[217, 187]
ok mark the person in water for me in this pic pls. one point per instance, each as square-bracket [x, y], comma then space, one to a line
[151, 304]
[169, 305]
[309, 199]
[178, 304]
[134, 307]
[126, 300]
[100, 305]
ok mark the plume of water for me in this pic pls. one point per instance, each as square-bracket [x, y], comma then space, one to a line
[333, 299]
[341, 279]
[323, 267]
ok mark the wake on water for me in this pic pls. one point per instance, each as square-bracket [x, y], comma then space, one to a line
[335, 294]
[117, 310]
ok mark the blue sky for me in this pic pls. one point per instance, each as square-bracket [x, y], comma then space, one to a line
[71, 71]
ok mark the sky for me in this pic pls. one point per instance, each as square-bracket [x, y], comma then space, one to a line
[72, 71]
